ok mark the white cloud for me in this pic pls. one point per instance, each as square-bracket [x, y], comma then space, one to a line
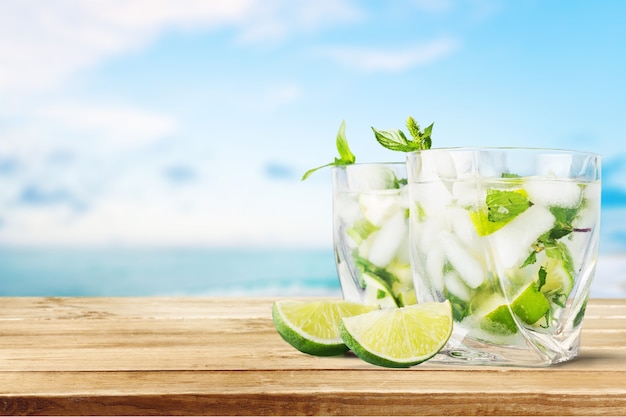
[116, 127]
[44, 43]
[393, 60]
[273, 19]
[299, 216]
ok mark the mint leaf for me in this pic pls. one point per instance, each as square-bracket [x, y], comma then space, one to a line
[346, 157]
[396, 140]
[503, 205]
[509, 175]
[563, 223]
[542, 274]
[532, 258]
[345, 154]
[581, 313]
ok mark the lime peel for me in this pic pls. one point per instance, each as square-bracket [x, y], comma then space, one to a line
[313, 326]
[399, 338]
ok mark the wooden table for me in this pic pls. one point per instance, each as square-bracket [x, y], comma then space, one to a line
[222, 356]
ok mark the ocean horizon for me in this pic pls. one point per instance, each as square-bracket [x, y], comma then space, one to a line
[271, 272]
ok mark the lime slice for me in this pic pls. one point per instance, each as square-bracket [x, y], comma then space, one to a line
[558, 278]
[400, 337]
[313, 326]
[502, 206]
[407, 297]
[499, 321]
[482, 224]
[377, 292]
[360, 230]
[529, 306]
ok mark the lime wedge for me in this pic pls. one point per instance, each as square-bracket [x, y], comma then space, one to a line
[499, 321]
[407, 297]
[558, 278]
[313, 326]
[529, 306]
[360, 230]
[377, 292]
[400, 337]
[501, 207]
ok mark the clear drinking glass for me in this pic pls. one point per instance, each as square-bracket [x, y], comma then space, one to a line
[371, 232]
[510, 237]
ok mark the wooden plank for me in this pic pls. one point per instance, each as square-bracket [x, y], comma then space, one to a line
[222, 356]
[341, 392]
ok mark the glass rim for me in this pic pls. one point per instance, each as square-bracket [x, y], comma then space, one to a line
[360, 164]
[509, 148]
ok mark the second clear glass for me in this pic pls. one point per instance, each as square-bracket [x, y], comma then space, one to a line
[371, 231]
[509, 236]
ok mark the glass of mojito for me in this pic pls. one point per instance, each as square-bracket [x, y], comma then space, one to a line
[371, 232]
[510, 237]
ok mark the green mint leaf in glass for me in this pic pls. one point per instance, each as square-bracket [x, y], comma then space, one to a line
[396, 140]
[542, 274]
[503, 205]
[532, 258]
[346, 157]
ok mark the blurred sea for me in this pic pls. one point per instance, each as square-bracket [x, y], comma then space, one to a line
[201, 272]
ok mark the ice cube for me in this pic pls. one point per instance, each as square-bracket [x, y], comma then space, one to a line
[432, 196]
[512, 243]
[467, 193]
[372, 177]
[455, 285]
[347, 208]
[424, 166]
[469, 268]
[402, 255]
[435, 261]
[378, 206]
[428, 232]
[553, 192]
[463, 228]
[555, 164]
[387, 241]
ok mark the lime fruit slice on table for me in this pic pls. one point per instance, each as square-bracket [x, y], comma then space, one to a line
[400, 337]
[313, 326]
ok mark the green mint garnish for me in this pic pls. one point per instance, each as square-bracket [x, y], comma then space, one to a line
[396, 140]
[563, 224]
[346, 157]
[542, 274]
[550, 240]
[509, 175]
[503, 205]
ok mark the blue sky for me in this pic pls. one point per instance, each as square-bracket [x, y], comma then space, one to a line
[191, 122]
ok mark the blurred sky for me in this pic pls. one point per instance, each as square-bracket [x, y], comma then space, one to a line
[155, 122]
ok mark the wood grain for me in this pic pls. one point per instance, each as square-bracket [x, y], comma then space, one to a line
[222, 356]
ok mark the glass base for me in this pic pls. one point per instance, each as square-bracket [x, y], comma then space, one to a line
[467, 351]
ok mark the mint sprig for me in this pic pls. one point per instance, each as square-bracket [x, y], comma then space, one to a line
[396, 140]
[346, 157]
